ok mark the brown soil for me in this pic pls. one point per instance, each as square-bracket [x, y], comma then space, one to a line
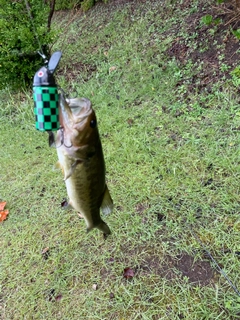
[214, 46]
[213, 50]
[196, 271]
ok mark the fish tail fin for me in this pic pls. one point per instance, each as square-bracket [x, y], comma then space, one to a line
[102, 226]
[107, 203]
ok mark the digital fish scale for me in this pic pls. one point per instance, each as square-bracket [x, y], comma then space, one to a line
[46, 97]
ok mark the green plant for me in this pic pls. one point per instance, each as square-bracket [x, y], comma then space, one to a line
[66, 4]
[24, 29]
[233, 305]
[207, 19]
[236, 33]
[84, 4]
[236, 76]
[88, 4]
[169, 132]
[224, 67]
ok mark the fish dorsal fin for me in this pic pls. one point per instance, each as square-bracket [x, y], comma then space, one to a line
[107, 203]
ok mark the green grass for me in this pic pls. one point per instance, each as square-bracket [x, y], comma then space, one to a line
[164, 155]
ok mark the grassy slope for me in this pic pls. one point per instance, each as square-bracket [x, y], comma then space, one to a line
[164, 156]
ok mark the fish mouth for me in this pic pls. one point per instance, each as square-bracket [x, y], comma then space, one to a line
[80, 108]
[73, 107]
[74, 111]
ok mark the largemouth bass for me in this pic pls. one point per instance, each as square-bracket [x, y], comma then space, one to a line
[81, 159]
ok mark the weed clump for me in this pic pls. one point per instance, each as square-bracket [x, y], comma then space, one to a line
[24, 30]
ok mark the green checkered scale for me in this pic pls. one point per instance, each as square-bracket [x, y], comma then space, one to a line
[46, 108]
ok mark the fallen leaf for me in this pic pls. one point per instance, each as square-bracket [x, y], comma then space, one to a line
[128, 273]
[130, 121]
[3, 213]
[58, 297]
[45, 253]
[112, 68]
[111, 295]
[2, 205]
[45, 250]
[95, 286]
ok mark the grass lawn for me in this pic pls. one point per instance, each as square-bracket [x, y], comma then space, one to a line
[168, 115]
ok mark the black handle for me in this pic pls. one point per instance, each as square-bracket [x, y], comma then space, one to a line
[54, 60]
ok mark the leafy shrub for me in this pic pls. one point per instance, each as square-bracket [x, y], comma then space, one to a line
[87, 4]
[20, 36]
[66, 4]
[70, 4]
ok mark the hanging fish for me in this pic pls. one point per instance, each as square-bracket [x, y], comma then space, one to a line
[81, 159]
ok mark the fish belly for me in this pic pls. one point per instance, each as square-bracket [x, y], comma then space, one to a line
[86, 188]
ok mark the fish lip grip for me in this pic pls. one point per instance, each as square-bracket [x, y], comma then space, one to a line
[46, 97]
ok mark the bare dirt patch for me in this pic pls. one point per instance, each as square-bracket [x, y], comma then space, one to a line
[184, 265]
[214, 46]
[78, 69]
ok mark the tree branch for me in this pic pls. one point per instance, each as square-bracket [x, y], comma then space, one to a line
[52, 7]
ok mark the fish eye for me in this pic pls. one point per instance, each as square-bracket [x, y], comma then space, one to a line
[93, 123]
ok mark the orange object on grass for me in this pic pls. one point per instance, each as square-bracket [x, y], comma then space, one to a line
[3, 213]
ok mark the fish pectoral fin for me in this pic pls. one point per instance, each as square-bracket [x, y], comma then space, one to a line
[107, 203]
[70, 171]
[58, 166]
